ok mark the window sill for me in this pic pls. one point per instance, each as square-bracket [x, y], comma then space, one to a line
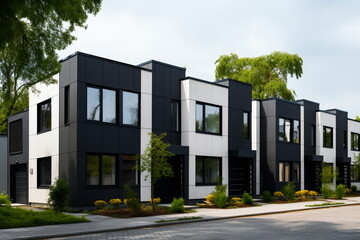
[205, 184]
[43, 187]
[15, 153]
[328, 147]
[43, 131]
[210, 133]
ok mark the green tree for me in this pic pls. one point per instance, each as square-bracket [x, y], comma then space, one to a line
[267, 74]
[154, 161]
[357, 118]
[30, 34]
[328, 174]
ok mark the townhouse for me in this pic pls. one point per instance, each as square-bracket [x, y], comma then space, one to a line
[88, 128]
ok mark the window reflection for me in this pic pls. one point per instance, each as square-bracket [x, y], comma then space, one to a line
[130, 108]
[93, 104]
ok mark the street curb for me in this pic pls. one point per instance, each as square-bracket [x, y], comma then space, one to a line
[180, 222]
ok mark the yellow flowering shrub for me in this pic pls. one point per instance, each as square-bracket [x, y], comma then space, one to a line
[100, 204]
[235, 201]
[156, 201]
[347, 191]
[302, 193]
[279, 195]
[115, 202]
[210, 199]
[313, 194]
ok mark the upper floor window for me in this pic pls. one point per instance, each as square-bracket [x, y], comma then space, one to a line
[327, 137]
[66, 105]
[296, 131]
[246, 130]
[208, 118]
[101, 105]
[345, 140]
[130, 102]
[313, 135]
[44, 116]
[355, 141]
[289, 130]
[16, 137]
[175, 115]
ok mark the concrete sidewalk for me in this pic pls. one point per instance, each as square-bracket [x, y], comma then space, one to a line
[104, 224]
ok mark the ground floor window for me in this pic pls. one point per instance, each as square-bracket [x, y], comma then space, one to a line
[289, 172]
[44, 172]
[101, 169]
[355, 174]
[208, 170]
[130, 176]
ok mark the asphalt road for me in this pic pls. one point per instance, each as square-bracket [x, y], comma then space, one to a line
[330, 223]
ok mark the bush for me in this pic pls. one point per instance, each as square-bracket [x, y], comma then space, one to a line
[313, 194]
[326, 191]
[209, 199]
[155, 201]
[339, 192]
[279, 195]
[59, 195]
[4, 199]
[99, 204]
[289, 191]
[177, 205]
[302, 193]
[220, 200]
[353, 188]
[347, 191]
[115, 203]
[247, 199]
[267, 197]
[235, 200]
[131, 201]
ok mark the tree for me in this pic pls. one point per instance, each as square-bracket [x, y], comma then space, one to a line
[328, 174]
[154, 161]
[59, 195]
[267, 74]
[357, 118]
[30, 34]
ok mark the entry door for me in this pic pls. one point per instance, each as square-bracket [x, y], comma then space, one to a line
[170, 187]
[19, 183]
[240, 176]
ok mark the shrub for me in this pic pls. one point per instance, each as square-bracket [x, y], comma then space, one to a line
[347, 191]
[247, 199]
[4, 199]
[302, 193]
[219, 187]
[289, 191]
[155, 201]
[59, 195]
[339, 192]
[115, 203]
[99, 204]
[353, 188]
[177, 205]
[313, 194]
[267, 197]
[279, 195]
[326, 191]
[220, 200]
[209, 199]
[235, 200]
[131, 201]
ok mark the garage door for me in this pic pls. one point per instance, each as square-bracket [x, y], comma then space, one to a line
[19, 184]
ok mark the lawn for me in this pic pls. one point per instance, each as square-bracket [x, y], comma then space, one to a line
[12, 217]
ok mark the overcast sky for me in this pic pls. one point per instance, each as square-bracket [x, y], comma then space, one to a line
[193, 34]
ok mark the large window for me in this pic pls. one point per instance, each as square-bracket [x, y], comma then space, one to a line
[16, 137]
[208, 118]
[101, 170]
[328, 137]
[246, 130]
[101, 105]
[289, 130]
[44, 172]
[355, 141]
[130, 176]
[355, 174]
[130, 102]
[289, 171]
[175, 115]
[207, 170]
[44, 116]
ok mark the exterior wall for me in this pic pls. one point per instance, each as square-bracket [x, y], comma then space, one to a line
[3, 164]
[44, 144]
[255, 132]
[353, 127]
[203, 144]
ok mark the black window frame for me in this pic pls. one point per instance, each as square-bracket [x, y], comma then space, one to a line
[138, 110]
[324, 138]
[203, 130]
[100, 171]
[313, 136]
[40, 121]
[67, 105]
[14, 142]
[101, 120]
[137, 172]
[246, 134]
[39, 172]
[175, 126]
[291, 173]
[345, 140]
[291, 137]
[202, 158]
[353, 134]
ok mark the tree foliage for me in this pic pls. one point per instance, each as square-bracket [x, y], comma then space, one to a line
[267, 74]
[154, 161]
[30, 34]
[357, 118]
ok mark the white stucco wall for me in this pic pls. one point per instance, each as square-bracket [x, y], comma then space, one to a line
[203, 144]
[44, 144]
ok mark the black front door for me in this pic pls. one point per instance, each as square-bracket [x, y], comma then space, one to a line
[240, 176]
[19, 183]
[169, 187]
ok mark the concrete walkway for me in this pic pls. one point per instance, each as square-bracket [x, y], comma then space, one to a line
[104, 224]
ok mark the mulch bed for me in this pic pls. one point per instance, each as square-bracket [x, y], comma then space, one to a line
[126, 213]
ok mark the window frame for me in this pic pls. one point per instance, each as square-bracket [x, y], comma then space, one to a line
[246, 135]
[177, 128]
[39, 175]
[282, 171]
[203, 130]
[202, 183]
[67, 105]
[291, 133]
[332, 137]
[313, 136]
[353, 134]
[100, 170]
[11, 137]
[137, 172]
[122, 109]
[40, 124]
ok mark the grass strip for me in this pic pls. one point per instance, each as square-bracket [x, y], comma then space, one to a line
[12, 217]
[179, 219]
[324, 204]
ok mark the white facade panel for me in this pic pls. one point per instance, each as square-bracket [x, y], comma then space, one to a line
[255, 138]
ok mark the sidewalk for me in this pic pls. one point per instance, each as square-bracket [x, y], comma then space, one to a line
[104, 224]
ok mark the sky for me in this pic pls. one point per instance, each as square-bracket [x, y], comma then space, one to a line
[194, 34]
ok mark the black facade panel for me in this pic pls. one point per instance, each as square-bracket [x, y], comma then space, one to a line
[23, 156]
[64, 74]
[111, 74]
[94, 70]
